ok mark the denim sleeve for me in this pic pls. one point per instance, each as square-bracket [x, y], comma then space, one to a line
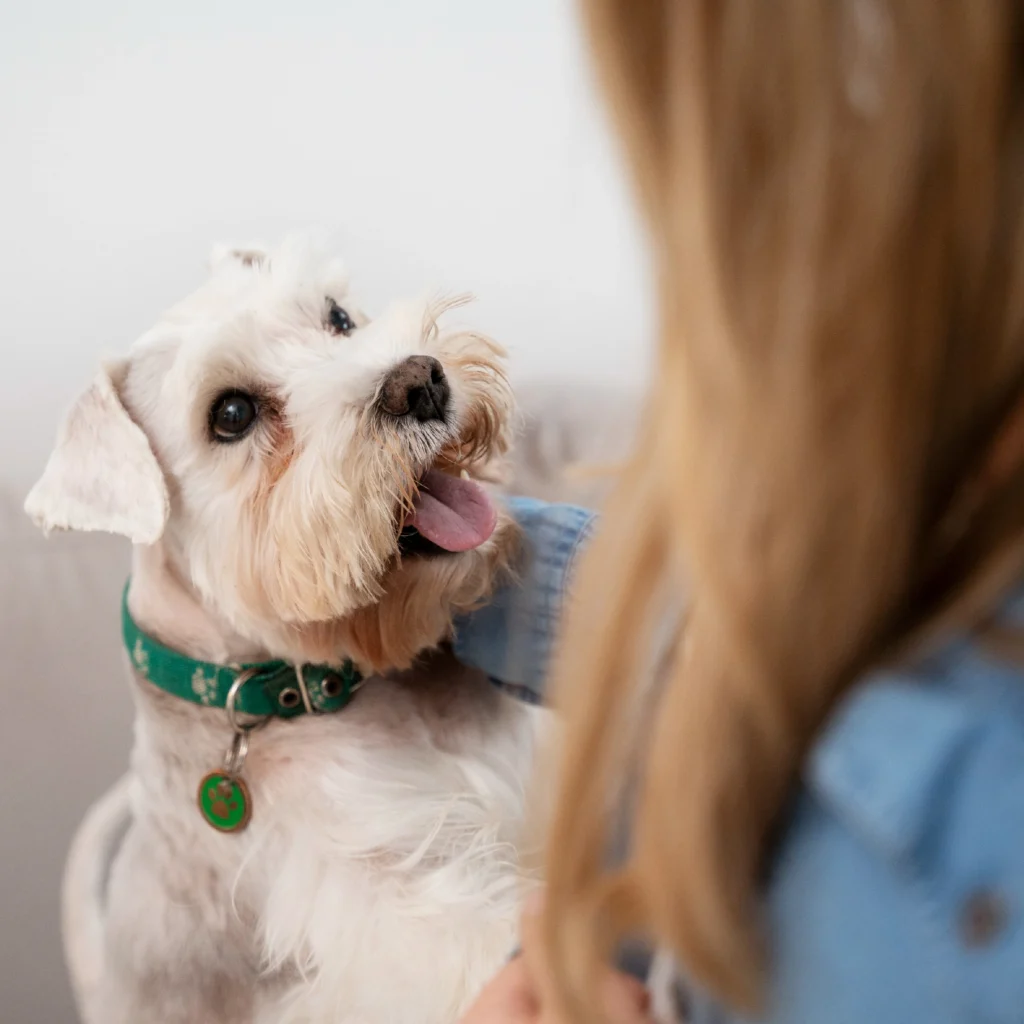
[511, 638]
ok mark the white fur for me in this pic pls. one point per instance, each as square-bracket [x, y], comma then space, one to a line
[102, 474]
[380, 876]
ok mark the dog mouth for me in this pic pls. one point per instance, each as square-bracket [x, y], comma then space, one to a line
[450, 515]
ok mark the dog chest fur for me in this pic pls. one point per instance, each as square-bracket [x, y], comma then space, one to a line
[379, 878]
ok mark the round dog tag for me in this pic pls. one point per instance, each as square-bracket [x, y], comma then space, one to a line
[224, 802]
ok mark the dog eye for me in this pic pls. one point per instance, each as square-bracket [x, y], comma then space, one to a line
[232, 415]
[338, 320]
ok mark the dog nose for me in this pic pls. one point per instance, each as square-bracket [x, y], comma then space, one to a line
[416, 387]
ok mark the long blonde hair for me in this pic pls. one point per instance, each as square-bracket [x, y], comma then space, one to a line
[833, 193]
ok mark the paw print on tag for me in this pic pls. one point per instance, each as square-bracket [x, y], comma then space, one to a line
[224, 802]
[222, 806]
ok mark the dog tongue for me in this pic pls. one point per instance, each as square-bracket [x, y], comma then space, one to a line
[453, 512]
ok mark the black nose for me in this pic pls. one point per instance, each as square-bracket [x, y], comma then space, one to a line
[416, 387]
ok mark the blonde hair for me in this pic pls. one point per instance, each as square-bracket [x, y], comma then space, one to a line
[833, 193]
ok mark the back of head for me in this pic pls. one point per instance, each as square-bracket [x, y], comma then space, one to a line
[833, 193]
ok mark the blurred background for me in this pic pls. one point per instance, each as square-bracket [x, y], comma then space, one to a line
[444, 144]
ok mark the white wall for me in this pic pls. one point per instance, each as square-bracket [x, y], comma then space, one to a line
[451, 143]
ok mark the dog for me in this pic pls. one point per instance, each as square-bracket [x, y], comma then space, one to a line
[302, 485]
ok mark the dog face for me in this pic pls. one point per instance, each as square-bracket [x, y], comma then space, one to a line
[312, 472]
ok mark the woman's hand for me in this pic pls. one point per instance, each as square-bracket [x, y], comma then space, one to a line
[520, 992]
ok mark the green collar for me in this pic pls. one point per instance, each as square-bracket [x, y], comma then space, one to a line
[274, 688]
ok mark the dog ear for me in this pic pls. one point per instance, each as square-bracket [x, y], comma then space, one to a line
[102, 474]
[247, 256]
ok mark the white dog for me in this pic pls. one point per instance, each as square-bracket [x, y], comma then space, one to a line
[300, 484]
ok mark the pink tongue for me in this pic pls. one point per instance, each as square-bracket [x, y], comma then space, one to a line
[453, 512]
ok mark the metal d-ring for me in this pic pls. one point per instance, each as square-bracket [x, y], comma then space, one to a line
[235, 757]
[241, 728]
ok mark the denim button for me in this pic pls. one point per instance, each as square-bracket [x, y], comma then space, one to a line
[983, 918]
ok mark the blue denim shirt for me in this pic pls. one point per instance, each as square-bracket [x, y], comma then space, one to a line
[513, 636]
[897, 896]
[898, 891]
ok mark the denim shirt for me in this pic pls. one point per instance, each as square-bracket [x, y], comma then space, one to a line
[897, 895]
[512, 637]
[898, 891]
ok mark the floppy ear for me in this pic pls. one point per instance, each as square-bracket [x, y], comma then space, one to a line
[102, 474]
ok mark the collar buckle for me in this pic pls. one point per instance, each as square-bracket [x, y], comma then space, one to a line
[303, 689]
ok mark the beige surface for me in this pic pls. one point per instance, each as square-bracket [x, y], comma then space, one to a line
[64, 734]
[65, 731]
[573, 438]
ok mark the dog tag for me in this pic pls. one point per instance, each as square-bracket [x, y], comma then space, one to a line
[224, 801]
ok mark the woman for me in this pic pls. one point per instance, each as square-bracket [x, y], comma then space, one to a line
[829, 824]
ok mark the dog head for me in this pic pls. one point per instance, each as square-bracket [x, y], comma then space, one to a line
[311, 472]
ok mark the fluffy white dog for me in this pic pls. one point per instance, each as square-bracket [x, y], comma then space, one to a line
[301, 486]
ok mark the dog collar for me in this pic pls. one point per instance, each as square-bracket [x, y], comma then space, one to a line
[264, 689]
